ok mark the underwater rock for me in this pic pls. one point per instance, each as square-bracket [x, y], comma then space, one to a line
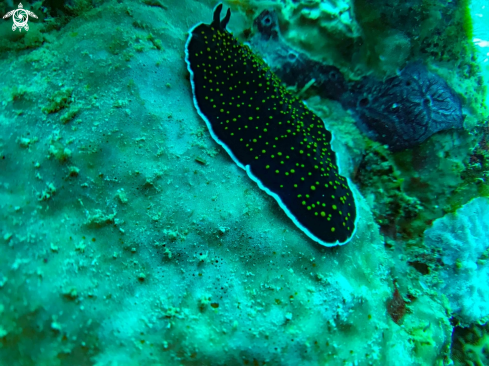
[462, 241]
[404, 110]
[323, 28]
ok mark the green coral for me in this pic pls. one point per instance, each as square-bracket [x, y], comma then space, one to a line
[434, 32]
[471, 346]
[380, 179]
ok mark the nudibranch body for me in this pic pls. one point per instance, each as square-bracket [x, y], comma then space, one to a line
[283, 146]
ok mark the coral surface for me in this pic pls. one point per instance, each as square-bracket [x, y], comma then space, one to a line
[462, 240]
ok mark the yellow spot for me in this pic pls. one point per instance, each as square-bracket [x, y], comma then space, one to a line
[323, 214]
[332, 229]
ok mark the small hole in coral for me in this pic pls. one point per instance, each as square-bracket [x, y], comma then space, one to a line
[292, 56]
[363, 102]
[267, 20]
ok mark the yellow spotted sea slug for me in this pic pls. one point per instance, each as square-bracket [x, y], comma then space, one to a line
[283, 146]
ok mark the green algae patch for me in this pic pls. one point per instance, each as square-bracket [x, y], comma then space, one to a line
[59, 100]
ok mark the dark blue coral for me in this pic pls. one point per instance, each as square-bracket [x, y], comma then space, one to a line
[404, 110]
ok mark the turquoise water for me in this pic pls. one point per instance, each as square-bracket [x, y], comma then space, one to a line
[158, 210]
[479, 12]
